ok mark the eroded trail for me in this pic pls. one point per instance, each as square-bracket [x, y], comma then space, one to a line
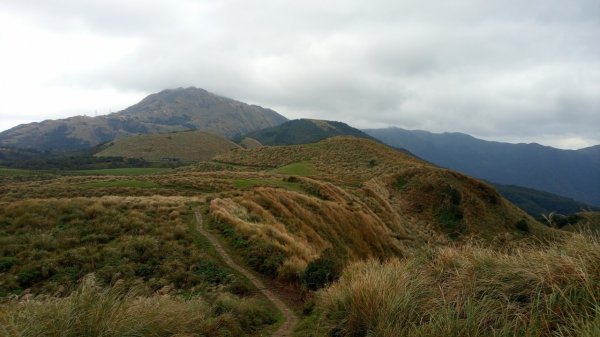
[291, 320]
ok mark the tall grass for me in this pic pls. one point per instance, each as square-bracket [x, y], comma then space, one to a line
[468, 291]
[94, 311]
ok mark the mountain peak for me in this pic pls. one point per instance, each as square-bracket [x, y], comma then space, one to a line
[169, 110]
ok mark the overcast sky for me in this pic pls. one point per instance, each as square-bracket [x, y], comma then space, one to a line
[509, 70]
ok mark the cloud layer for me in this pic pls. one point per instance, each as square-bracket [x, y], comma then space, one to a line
[498, 69]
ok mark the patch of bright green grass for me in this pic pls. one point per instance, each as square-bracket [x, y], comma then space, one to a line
[302, 168]
[253, 182]
[5, 171]
[122, 183]
[126, 171]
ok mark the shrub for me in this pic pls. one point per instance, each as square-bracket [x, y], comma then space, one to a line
[322, 271]
[522, 225]
[450, 218]
[6, 262]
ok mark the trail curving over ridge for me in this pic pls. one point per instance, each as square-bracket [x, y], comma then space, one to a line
[287, 328]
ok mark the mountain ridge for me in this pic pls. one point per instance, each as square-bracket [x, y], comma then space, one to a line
[304, 130]
[569, 173]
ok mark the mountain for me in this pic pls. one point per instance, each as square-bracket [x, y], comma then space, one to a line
[185, 146]
[170, 110]
[303, 131]
[536, 203]
[570, 173]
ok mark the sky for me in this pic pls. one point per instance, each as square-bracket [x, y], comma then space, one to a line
[506, 70]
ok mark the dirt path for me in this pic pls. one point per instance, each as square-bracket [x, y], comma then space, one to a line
[291, 320]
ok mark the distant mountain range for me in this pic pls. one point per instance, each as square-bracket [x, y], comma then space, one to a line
[170, 110]
[570, 173]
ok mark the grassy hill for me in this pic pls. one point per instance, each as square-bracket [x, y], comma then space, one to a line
[189, 146]
[446, 249]
[249, 143]
[170, 110]
[303, 131]
[399, 192]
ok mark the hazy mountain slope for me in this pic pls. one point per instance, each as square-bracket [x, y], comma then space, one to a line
[303, 131]
[186, 146]
[570, 173]
[536, 202]
[167, 111]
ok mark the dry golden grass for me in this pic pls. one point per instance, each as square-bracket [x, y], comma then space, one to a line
[345, 160]
[96, 311]
[468, 291]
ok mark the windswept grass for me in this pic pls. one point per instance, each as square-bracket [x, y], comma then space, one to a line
[468, 291]
[93, 311]
[280, 231]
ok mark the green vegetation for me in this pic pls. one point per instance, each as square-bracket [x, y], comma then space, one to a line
[5, 171]
[303, 131]
[322, 271]
[123, 171]
[303, 168]
[48, 245]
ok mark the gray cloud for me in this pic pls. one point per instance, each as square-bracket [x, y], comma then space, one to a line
[502, 69]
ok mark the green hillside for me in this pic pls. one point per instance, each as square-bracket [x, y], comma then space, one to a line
[303, 131]
[190, 146]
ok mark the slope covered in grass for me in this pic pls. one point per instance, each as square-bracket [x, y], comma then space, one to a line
[467, 291]
[190, 146]
[362, 200]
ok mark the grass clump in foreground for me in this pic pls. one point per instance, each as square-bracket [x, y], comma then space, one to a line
[467, 291]
[95, 311]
